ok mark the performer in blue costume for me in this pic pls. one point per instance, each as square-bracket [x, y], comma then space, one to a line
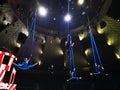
[25, 65]
[68, 47]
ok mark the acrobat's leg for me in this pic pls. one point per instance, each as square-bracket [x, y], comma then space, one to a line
[17, 65]
[31, 66]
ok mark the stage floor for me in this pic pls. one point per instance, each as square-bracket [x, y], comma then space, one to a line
[46, 82]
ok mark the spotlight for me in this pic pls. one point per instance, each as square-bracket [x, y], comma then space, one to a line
[80, 2]
[42, 11]
[67, 18]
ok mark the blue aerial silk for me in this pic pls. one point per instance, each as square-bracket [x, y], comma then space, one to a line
[32, 30]
[71, 53]
[24, 65]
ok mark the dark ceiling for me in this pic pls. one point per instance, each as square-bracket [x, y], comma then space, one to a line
[54, 24]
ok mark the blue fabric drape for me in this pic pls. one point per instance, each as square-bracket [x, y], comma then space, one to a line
[32, 30]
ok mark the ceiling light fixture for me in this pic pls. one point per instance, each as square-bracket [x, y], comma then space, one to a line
[80, 2]
[42, 11]
[67, 18]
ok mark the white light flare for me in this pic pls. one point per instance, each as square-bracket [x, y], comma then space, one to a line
[80, 2]
[42, 11]
[67, 18]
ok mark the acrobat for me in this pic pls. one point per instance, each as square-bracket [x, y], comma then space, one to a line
[100, 71]
[73, 75]
[69, 44]
[25, 65]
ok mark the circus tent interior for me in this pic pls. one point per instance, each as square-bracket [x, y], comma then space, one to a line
[39, 29]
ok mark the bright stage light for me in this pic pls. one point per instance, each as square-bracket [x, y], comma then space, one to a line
[42, 11]
[80, 2]
[67, 18]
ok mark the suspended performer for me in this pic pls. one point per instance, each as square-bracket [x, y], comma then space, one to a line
[25, 65]
[100, 68]
[69, 44]
[72, 72]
